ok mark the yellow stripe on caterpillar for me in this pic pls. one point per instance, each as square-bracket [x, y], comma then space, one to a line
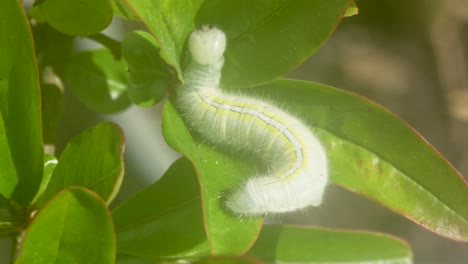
[296, 174]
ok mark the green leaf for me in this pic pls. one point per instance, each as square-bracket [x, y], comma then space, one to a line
[397, 169]
[50, 162]
[170, 22]
[51, 109]
[294, 244]
[74, 227]
[149, 74]
[3, 203]
[83, 17]
[93, 160]
[217, 173]
[352, 10]
[54, 49]
[20, 112]
[164, 220]
[229, 260]
[8, 179]
[127, 259]
[99, 80]
[122, 10]
[267, 39]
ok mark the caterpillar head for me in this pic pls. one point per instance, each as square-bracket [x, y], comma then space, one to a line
[207, 45]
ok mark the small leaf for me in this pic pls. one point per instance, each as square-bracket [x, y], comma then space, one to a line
[74, 227]
[294, 244]
[92, 160]
[170, 22]
[149, 74]
[20, 122]
[217, 172]
[267, 39]
[99, 80]
[164, 220]
[84, 17]
[352, 10]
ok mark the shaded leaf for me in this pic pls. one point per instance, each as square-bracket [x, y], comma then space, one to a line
[398, 168]
[92, 160]
[53, 50]
[51, 109]
[74, 227]
[294, 244]
[99, 80]
[20, 121]
[170, 22]
[84, 17]
[149, 74]
[218, 173]
[172, 226]
[296, 27]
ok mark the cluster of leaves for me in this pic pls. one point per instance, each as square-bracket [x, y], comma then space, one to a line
[58, 208]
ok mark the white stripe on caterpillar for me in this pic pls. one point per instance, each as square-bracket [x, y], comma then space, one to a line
[296, 165]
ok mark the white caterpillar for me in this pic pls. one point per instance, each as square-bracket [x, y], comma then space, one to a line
[296, 173]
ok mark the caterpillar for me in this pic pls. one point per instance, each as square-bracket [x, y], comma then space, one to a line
[295, 162]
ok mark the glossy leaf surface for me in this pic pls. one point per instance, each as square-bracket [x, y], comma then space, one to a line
[294, 244]
[50, 162]
[74, 227]
[164, 220]
[229, 260]
[296, 27]
[92, 160]
[83, 17]
[352, 9]
[218, 173]
[398, 168]
[249, 59]
[123, 10]
[20, 120]
[99, 80]
[170, 22]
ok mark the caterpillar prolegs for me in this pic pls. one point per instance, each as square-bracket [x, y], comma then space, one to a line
[296, 173]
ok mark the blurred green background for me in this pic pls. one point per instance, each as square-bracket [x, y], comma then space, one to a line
[409, 56]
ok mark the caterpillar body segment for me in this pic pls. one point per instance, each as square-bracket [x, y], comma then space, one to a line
[296, 166]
